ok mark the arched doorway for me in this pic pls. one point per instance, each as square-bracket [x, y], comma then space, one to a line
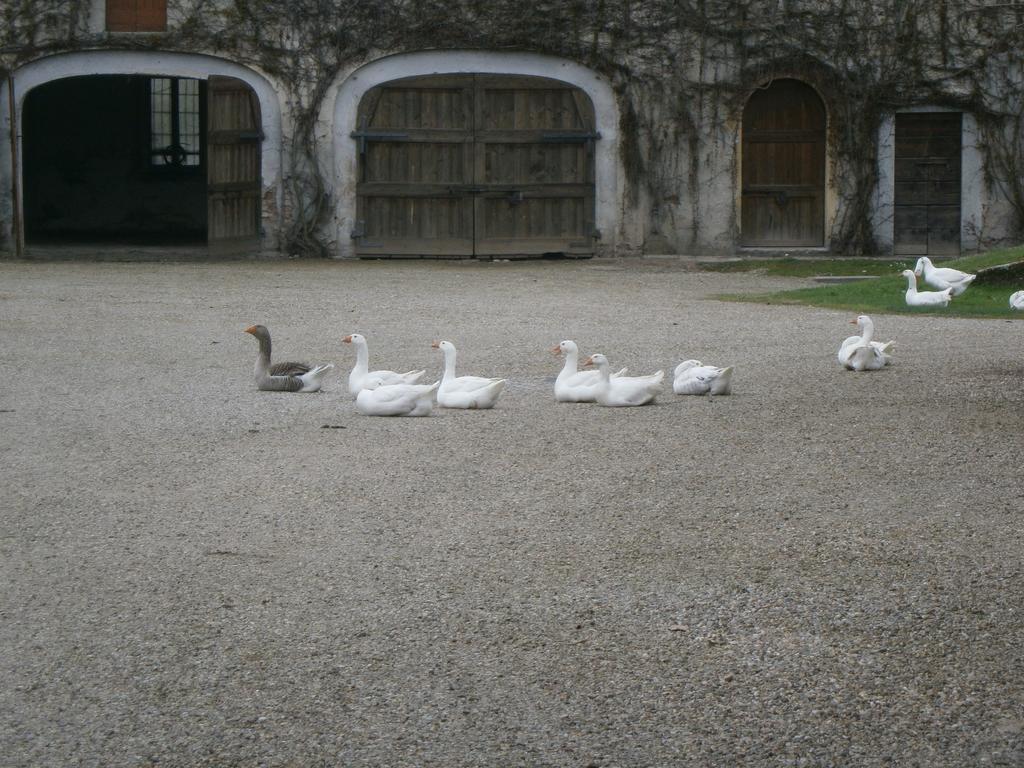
[783, 176]
[141, 159]
[475, 164]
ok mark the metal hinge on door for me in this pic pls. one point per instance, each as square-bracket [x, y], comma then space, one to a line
[579, 136]
[362, 136]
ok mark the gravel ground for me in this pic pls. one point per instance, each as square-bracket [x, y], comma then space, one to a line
[823, 569]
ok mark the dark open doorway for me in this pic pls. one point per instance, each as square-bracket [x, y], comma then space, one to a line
[116, 158]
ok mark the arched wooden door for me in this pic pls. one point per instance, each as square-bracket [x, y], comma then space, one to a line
[783, 202]
[475, 165]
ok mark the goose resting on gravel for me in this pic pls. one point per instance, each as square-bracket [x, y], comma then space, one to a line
[379, 399]
[943, 277]
[573, 385]
[917, 298]
[464, 391]
[357, 378]
[624, 390]
[284, 377]
[692, 377]
[860, 353]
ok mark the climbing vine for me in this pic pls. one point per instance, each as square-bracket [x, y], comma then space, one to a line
[681, 70]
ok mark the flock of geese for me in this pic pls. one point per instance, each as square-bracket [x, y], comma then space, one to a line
[389, 393]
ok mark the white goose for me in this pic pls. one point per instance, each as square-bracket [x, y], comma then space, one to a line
[1017, 300]
[380, 399]
[692, 377]
[573, 385]
[464, 391]
[284, 377]
[943, 277]
[917, 298]
[860, 353]
[357, 378]
[624, 390]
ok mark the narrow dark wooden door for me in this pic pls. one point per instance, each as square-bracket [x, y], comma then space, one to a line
[783, 191]
[927, 194]
[234, 139]
[475, 165]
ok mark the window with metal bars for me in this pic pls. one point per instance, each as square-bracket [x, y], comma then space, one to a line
[175, 122]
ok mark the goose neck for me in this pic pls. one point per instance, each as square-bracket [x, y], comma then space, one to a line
[362, 356]
[571, 364]
[449, 363]
[263, 356]
[867, 332]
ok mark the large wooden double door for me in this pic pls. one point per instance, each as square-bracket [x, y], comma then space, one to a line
[783, 200]
[475, 165]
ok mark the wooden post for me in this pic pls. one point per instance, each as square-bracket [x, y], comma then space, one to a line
[16, 220]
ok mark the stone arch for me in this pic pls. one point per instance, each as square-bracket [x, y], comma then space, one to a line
[343, 121]
[197, 66]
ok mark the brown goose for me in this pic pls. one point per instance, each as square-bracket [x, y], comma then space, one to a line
[284, 377]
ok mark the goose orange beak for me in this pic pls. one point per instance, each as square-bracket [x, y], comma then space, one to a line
[347, 340]
[556, 350]
[251, 329]
[588, 361]
[853, 322]
[435, 345]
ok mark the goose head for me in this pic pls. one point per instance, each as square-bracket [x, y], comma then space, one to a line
[444, 346]
[909, 274]
[922, 264]
[596, 359]
[259, 331]
[566, 347]
[354, 338]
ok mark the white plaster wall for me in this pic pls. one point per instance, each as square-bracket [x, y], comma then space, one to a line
[973, 189]
[149, 63]
[338, 120]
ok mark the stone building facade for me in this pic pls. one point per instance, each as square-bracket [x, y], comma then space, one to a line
[464, 128]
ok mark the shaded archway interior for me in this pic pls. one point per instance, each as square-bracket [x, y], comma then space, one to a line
[96, 167]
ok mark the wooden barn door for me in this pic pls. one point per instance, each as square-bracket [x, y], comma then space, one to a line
[535, 166]
[416, 168]
[783, 191]
[927, 194]
[234, 153]
[475, 165]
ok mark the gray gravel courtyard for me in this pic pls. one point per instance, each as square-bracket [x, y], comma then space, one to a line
[824, 568]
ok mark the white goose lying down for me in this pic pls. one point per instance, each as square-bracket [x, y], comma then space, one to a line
[464, 391]
[380, 399]
[357, 378]
[943, 277]
[573, 385]
[917, 298]
[860, 353]
[624, 390]
[1017, 300]
[284, 377]
[692, 377]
